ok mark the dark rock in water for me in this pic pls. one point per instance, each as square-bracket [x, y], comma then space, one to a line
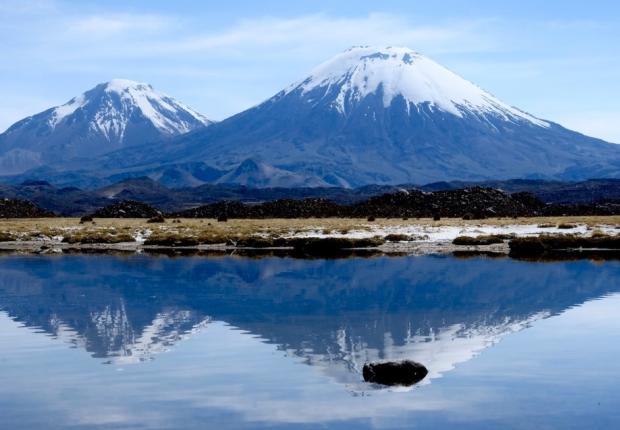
[404, 372]
[127, 209]
[156, 219]
[16, 208]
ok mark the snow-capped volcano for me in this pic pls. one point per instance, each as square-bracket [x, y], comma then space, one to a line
[388, 116]
[367, 116]
[400, 72]
[111, 116]
[119, 99]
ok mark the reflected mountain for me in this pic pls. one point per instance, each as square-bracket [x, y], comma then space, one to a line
[334, 314]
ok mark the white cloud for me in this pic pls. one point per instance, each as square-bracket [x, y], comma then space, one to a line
[72, 39]
[320, 31]
[113, 25]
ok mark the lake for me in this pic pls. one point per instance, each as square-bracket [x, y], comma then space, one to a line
[156, 342]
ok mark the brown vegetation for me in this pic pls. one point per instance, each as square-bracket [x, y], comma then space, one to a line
[478, 240]
[542, 244]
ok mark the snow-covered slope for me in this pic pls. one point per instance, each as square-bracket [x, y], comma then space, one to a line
[387, 116]
[399, 72]
[113, 115]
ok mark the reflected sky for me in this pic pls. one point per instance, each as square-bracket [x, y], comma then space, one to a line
[157, 342]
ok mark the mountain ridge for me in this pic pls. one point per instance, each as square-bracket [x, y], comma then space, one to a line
[110, 116]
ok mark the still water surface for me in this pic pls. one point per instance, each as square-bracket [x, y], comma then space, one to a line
[97, 342]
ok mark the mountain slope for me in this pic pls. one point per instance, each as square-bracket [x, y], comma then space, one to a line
[389, 116]
[260, 175]
[113, 115]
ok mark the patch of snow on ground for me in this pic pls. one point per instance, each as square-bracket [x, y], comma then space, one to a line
[426, 233]
[140, 236]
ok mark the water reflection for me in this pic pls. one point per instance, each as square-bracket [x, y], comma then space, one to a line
[332, 314]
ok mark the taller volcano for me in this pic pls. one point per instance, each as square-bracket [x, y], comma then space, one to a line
[389, 116]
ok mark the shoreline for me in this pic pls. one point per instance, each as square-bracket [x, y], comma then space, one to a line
[392, 236]
[411, 248]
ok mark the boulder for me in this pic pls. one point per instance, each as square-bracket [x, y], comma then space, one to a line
[404, 372]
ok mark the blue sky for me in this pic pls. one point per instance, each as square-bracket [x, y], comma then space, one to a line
[558, 60]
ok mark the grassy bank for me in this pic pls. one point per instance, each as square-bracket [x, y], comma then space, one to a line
[264, 232]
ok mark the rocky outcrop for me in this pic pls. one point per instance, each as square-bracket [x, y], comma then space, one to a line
[16, 208]
[127, 209]
[468, 203]
[477, 202]
[602, 208]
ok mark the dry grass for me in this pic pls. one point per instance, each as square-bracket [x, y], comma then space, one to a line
[554, 242]
[566, 226]
[479, 240]
[6, 236]
[109, 235]
[210, 231]
[398, 238]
